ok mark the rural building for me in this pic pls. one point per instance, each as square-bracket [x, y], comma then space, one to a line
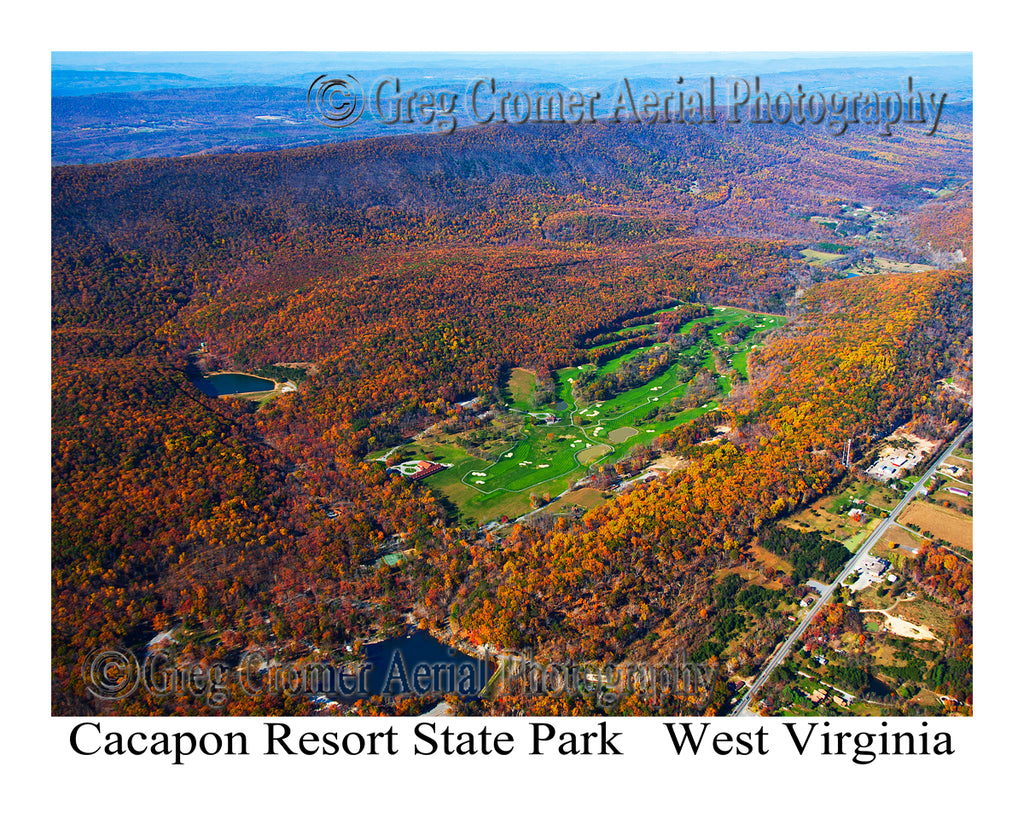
[390, 560]
[956, 490]
[875, 568]
[416, 470]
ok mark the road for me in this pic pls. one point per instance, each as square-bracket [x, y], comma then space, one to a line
[783, 650]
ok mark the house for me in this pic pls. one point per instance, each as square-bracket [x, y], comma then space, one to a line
[875, 568]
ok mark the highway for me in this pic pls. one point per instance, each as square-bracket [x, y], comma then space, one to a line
[783, 650]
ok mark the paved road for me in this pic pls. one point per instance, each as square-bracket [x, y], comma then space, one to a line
[783, 651]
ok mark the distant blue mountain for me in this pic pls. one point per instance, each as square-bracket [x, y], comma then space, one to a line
[70, 82]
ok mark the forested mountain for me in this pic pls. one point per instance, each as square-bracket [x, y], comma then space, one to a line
[414, 272]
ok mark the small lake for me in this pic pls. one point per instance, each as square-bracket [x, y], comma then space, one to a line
[233, 384]
[414, 664]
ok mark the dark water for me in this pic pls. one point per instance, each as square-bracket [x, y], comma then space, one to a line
[417, 664]
[232, 384]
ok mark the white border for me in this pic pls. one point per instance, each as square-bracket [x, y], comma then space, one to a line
[648, 778]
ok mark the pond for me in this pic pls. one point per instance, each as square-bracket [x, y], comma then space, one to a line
[233, 384]
[415, 664]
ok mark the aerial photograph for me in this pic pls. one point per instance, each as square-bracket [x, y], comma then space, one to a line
[590, 384]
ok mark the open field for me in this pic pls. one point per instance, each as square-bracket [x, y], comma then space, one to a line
[584, 498]
[769, 560]
[907, 541]
[926, 614]
[955, 501]
[936, 521]
[818, 257]
[884, 265]
[817, 517]
[873, 495]
[739, 362]
[522, 384]
[854, 541]
[956, 461]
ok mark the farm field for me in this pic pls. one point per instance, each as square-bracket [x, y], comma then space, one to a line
[532, 453]
[945, 524]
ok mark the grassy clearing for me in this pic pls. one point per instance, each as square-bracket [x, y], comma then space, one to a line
[739, 363]
[817, 517]
[906, 541]
[957, 502]
[762, 557]
[872, 495]
[521, 386]
[853, 543]
[583, 498]
[819, 257]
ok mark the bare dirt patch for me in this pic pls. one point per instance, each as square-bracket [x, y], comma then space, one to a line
[721, 432]
[904, 628]
[668, 463]
[951, 526]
